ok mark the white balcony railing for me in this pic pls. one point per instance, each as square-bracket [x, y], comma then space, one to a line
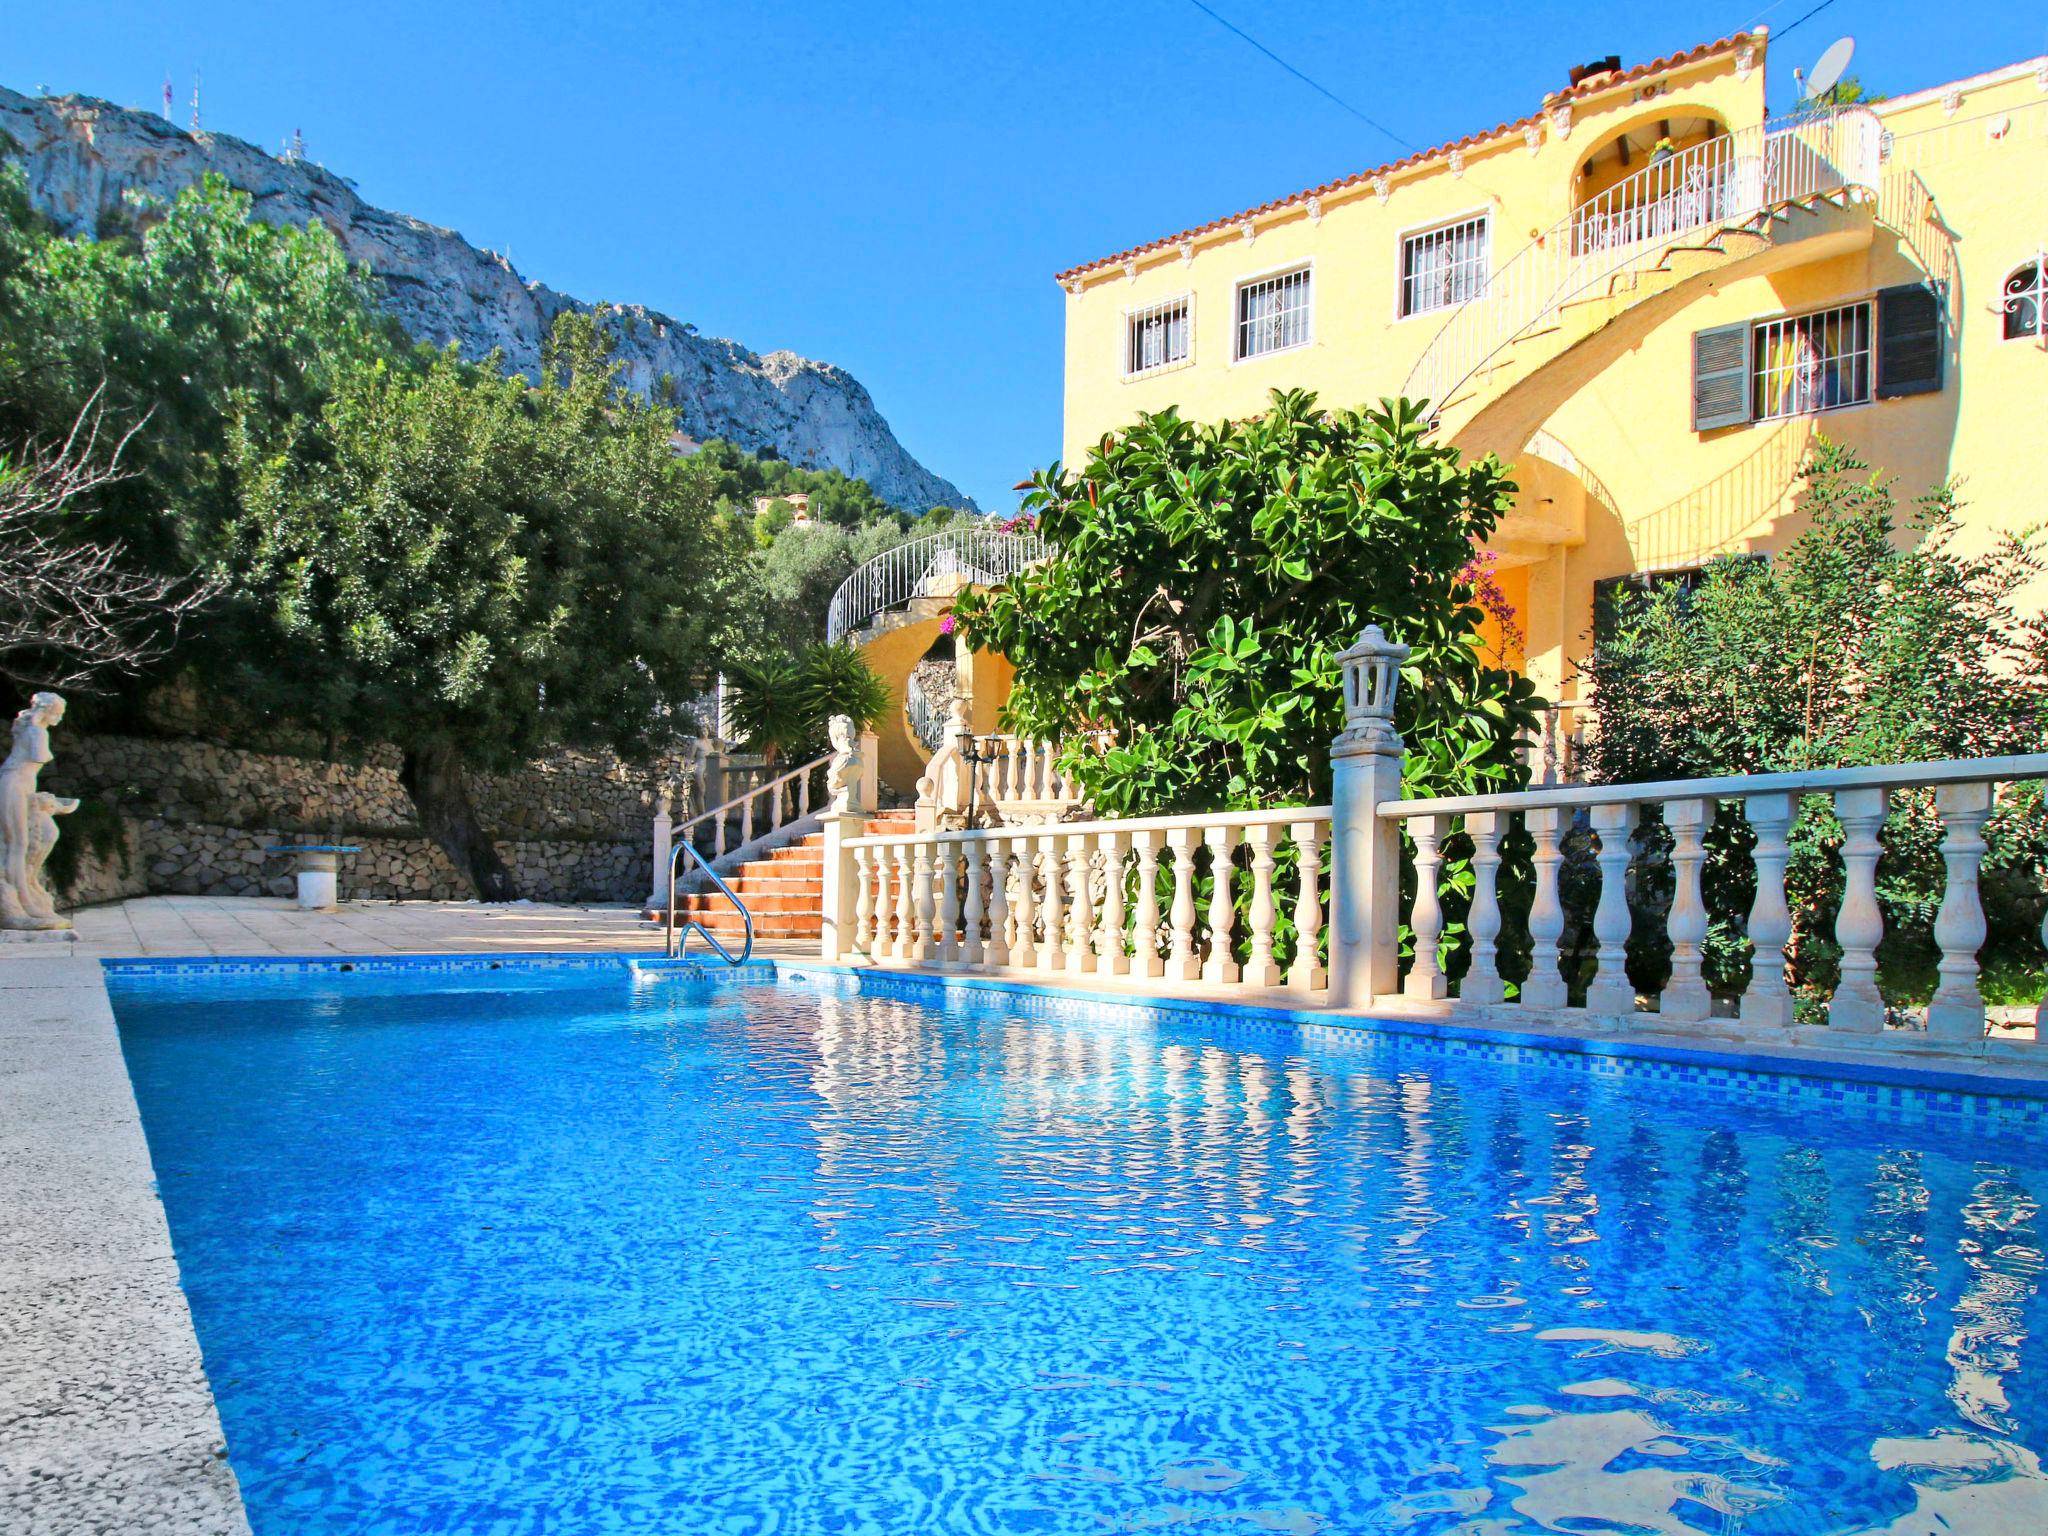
[936, 565]
[1631, 227]
[1767, 804]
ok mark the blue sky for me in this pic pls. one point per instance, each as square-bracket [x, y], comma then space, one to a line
[891, 187]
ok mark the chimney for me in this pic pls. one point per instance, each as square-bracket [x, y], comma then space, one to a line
[1611, 65]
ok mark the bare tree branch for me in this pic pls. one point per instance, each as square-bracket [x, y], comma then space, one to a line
[72, 614]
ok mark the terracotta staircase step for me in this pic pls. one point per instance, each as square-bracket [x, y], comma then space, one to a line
[787, 906]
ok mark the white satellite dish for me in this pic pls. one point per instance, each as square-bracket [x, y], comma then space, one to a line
[1827, 73]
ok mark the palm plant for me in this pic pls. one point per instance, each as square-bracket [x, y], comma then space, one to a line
[837, 681]
[779, 705]
[765, 704]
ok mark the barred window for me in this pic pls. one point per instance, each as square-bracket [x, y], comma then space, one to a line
[1809, 363]
[1444, 267]
[1273, 314]
[1158, 336]
[2023, 300]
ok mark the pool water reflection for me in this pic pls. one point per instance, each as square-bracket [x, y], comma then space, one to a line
[596, 1257]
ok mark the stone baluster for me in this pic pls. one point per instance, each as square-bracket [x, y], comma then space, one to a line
[1145, 957]
[1857, 1007]
[1685, 999]
[864, 901]
[718, 836]
[1110, 959]
[803, 796]
[906, 906]
[1426, 982]
[1052, 957]
[1024, 948]
[923, 911]
[1546, 986]
[1181, 964]
[946, 867]
[1221, 964]
[884, 904]
[974, 910]
[1260, 968]
[1610, 991]
[1306, 974]
[997, 953]
[1081, 908]
[1767, 1004]
[1957, 1011]
[747, 819]
[1482, 985]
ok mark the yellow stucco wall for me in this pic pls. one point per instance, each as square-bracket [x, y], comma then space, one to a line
[983, 677]
[1613, 477]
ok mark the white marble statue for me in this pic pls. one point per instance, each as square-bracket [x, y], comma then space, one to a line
[842, 775]
[28, 820]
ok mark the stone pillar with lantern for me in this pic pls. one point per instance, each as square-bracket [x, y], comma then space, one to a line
[1365, 851]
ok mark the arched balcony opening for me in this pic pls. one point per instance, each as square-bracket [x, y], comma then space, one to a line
[1659, 175]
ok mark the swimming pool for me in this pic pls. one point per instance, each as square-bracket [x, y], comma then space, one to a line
[583, 1250]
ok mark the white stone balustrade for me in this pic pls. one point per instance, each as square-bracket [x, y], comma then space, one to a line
[1193, 904]
[1097, 900]
[1964, 794]
[993, 780]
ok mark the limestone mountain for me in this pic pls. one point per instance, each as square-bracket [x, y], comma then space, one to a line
[83, 157]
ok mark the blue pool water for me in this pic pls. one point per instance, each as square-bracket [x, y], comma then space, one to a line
[580, 1254]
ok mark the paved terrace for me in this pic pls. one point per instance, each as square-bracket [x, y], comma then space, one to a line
[107, 1423]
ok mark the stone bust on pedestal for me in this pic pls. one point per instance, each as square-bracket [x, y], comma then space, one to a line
[28, 821]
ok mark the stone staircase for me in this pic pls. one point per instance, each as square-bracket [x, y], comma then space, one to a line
[783, 888]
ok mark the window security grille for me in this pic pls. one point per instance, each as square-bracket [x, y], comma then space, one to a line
[1443, 267]
[1273, 314]
[2024, 300]
[1158, 336]
[1810, 363]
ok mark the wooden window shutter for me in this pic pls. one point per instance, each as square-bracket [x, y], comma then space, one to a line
[1910, 340]
[1720, 377]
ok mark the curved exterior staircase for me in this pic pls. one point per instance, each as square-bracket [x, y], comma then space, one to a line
[1758, 197]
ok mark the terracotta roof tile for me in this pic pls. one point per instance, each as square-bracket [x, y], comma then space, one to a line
[1587, 87]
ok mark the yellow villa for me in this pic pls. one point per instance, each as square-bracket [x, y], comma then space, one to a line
[1648, 297]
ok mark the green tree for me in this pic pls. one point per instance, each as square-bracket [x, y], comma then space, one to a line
[214, 329]
[1206, 579]
[1875, 637]
[478, 569]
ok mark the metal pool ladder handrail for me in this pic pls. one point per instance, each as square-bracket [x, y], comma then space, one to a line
[670, 948]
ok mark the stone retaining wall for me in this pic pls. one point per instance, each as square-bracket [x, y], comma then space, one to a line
[575, 827]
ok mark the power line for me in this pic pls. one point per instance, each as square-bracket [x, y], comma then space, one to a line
[1824, 4]
[1313, 85]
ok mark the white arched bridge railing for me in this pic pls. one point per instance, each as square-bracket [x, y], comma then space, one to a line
[1724, 182]
[934, 565]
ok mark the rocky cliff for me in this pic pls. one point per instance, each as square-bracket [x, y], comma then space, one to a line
[84, 156]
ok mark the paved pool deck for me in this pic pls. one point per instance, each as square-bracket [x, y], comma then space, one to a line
[107, 1423]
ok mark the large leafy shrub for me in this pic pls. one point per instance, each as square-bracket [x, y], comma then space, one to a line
[1875, 637]
[1207, 577]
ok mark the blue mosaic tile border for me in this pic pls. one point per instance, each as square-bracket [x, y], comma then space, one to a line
[200, 971]
[1886, 1092]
